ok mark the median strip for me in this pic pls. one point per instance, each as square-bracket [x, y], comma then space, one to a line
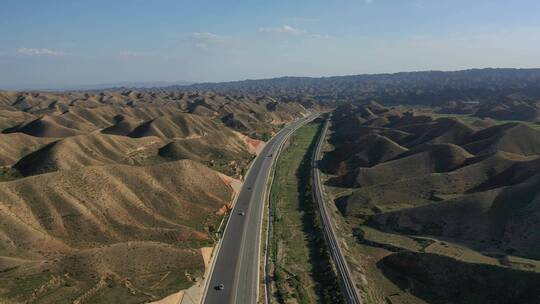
[299, 265]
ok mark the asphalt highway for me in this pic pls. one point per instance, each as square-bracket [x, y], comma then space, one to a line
[237, 261]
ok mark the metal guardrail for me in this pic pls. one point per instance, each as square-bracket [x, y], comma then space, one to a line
[349, 289]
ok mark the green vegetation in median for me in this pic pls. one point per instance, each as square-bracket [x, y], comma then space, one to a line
[301, 261]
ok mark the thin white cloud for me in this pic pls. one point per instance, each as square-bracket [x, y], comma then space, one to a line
[37, 52]
[368, 1]
[208, 37]
[205, 39]
[285, 29]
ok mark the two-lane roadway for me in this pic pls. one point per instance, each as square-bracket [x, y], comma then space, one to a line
[237, 261]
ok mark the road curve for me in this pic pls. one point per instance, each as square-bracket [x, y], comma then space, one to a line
[237, 261]
[350, 293]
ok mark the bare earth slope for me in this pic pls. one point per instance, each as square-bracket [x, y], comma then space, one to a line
[88, 215]
[16, 145]
[87, 150]
[452, 218]
[110, 197]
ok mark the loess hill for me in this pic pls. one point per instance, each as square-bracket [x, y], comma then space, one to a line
[437, 205]
[110, 196]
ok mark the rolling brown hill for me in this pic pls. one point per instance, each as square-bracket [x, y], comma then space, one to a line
[442, 130]
[503, 215]
[510, 110]
[365, 151]
[49, 126]
[89, 150]
[123, 125]
[439, 279]
[105, 115]
[141, 114]
[227, 153]
[84, 223]
[391, 192]
[250, 115]
[16, 145]
[515, 138]
[423, 160]
[457, 207]
[179, 126]
[109, 197]
[11, 118]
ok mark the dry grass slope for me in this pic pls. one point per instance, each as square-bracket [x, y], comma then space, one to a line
[86, 222]
[458, 207]
[122, 188]
[88, 150]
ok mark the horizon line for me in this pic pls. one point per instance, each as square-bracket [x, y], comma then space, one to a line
[187, 83]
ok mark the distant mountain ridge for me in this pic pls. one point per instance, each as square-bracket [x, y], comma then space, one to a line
[425, 87]
[95, 87]
[131, 84]
[421, 87]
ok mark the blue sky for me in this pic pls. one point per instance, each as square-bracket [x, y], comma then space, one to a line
[51, 43]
